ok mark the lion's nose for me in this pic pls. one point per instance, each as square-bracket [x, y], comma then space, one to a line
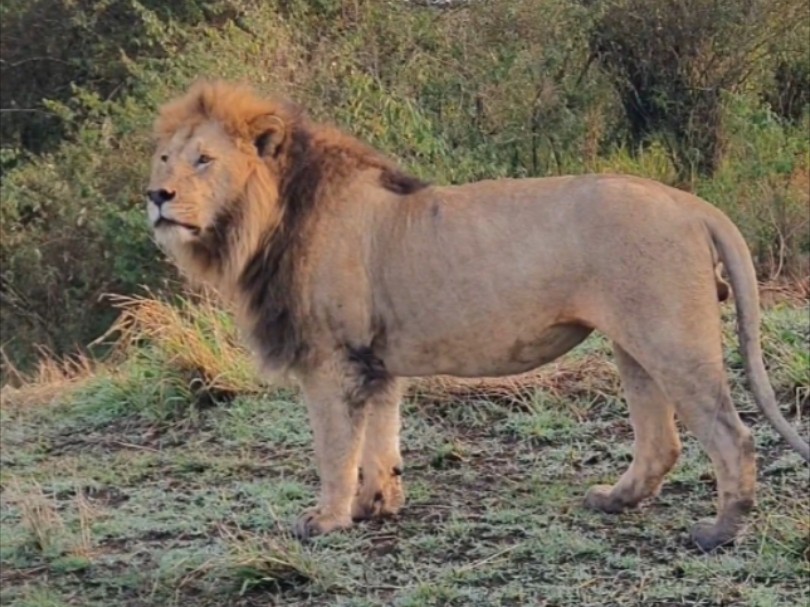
[160, 196]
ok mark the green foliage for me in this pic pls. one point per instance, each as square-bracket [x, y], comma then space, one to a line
[141, 388]
[537, 87]
[72, 232]
[672, 63]
[763, 184]
[82, 44]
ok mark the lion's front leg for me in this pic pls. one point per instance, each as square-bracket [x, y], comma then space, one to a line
[381, 493]
[338, 425]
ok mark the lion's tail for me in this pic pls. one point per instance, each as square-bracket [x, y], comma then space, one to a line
[740, 267]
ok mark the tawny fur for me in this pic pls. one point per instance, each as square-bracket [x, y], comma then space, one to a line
[349, 274]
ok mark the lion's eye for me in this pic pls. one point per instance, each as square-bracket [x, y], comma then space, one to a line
[204, 159]
[164, 157]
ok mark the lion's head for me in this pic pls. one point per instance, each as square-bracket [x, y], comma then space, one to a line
[216, 173]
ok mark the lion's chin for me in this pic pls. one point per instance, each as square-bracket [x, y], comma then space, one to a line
[170, 235]
[166, 222]
[162, 225]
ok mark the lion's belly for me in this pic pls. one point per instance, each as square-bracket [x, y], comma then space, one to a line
[480, 354]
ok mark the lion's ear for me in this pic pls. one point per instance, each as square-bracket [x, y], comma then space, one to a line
[268, 132]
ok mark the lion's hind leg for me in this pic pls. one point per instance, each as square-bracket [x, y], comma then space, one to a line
[380, 492]
[656, 447]
[686, 363]
[703, 402]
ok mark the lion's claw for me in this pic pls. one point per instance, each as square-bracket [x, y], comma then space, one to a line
[384, 500]
[600, 498]
[313, 523]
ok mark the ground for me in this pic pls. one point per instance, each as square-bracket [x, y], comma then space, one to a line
[106, 506]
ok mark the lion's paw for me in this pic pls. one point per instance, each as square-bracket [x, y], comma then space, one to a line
[378, 500]
[314, 522]
[599, 497]
[708, 534]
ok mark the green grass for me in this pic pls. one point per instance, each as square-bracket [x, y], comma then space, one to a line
[112, 497]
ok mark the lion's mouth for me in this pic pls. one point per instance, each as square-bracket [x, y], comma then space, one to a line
[167, 222]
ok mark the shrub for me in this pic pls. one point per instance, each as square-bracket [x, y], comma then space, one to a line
[763, 184]
[672, 61]
[102, 38]
[537, 87]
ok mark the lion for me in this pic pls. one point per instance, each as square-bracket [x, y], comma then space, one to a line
[350, 276]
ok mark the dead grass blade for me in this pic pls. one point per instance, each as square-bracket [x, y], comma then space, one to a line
[84, 546]
[195, 335]
[575, 378]
[793, 293]
[51, 380]
[39, 516]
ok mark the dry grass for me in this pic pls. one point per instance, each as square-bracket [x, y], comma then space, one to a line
[51, 380]
[586, 376]
[191, 338]
[38, 516]
[194, 335]
[83, 545]
[794, 292]
[199, 335]
[41, 518]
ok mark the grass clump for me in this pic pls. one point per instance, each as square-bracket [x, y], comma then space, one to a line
[194, 335]
[165, 361]
[268, 563]
[279, 561]
[66, 547]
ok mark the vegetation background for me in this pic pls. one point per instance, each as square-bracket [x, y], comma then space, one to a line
[707, 95]
[165, 473]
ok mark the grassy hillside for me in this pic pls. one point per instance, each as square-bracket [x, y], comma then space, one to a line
[130, 485]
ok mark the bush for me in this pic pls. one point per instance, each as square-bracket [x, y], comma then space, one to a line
[673, 61]
[763, 184]
[537, 87]
[102, 38]
[72, 231]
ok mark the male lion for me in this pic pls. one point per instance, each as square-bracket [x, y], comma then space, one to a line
[349, 274]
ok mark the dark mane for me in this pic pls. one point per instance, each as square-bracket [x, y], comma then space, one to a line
[215, 242]
[269, 275]
[312, 159]
[398, 182]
